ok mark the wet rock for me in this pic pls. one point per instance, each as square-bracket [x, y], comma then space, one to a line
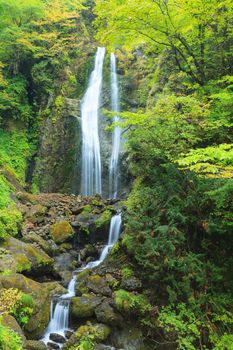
[68, 334]
[98, 285]
[131, 284]
[84, 307]
[106, 314]
[57, 338]
[88, 251]
[61, 232]
[35, 345]
[51, 346]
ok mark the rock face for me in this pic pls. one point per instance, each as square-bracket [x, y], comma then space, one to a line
[57, 164]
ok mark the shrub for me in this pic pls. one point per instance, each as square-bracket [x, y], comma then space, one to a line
[9, 340]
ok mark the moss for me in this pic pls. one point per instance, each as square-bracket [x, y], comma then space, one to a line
[99, 332]
[127, 272]
[104, 219]
[23, 264]
[61, 232]
[131, 303]
[10, 222]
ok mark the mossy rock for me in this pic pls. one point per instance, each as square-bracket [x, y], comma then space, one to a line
[32, 237]
[98, 285]
[36, 213]
[61, 232]
[10, 322]
[105, 313]
[41, 296]
[96, 332]
[24, 257]
[84, 307]
[34, 345]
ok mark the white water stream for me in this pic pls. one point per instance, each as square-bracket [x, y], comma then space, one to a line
[116, 137]
[59, 314]
[91, 160]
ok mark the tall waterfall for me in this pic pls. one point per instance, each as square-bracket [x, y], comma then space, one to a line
[116, 137]
[91, 160]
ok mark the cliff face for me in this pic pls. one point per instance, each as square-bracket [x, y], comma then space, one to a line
[60, 144]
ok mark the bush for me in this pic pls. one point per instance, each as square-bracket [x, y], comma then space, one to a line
[10, 222]
[9, 340]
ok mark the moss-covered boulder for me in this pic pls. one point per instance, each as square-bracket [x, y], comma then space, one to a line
[84, 307]
[106, 314]
[24, 257]
[10, 322]
[34, 345]
[61, 232]
[98, 285]
[41, 296]
[32, 237]
[95, 332]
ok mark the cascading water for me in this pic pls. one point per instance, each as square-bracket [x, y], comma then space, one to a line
[116, 137]
[91, 160]
[114, 233]
[59, 314]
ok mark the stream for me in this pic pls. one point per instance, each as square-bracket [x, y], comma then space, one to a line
[58, 330]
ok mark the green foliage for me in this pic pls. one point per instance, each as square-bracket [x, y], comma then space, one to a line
[131, 303]
[10, 222]
[23, 309]
[127, 272]
[17, 303]
[184, 322]
[104, 219]
[9, 340]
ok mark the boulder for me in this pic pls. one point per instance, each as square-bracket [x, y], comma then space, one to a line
[61, 232]
[57, 338]
[35, 345]
[54, 346]
[10, 322]
[98, 285]
[128, 337]
[131, 284]
[84, 307]
[41, 296]
[32, 237]
[99, 332]
[24, 257]
[106, 314]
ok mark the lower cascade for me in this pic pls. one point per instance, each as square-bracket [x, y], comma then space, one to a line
[56, 332]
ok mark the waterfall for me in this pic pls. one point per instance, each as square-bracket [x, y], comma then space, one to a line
[59, 313]
[91, 161]
[114, 233]
[116, 137]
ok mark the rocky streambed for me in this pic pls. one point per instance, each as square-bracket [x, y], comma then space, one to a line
[61, 233]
